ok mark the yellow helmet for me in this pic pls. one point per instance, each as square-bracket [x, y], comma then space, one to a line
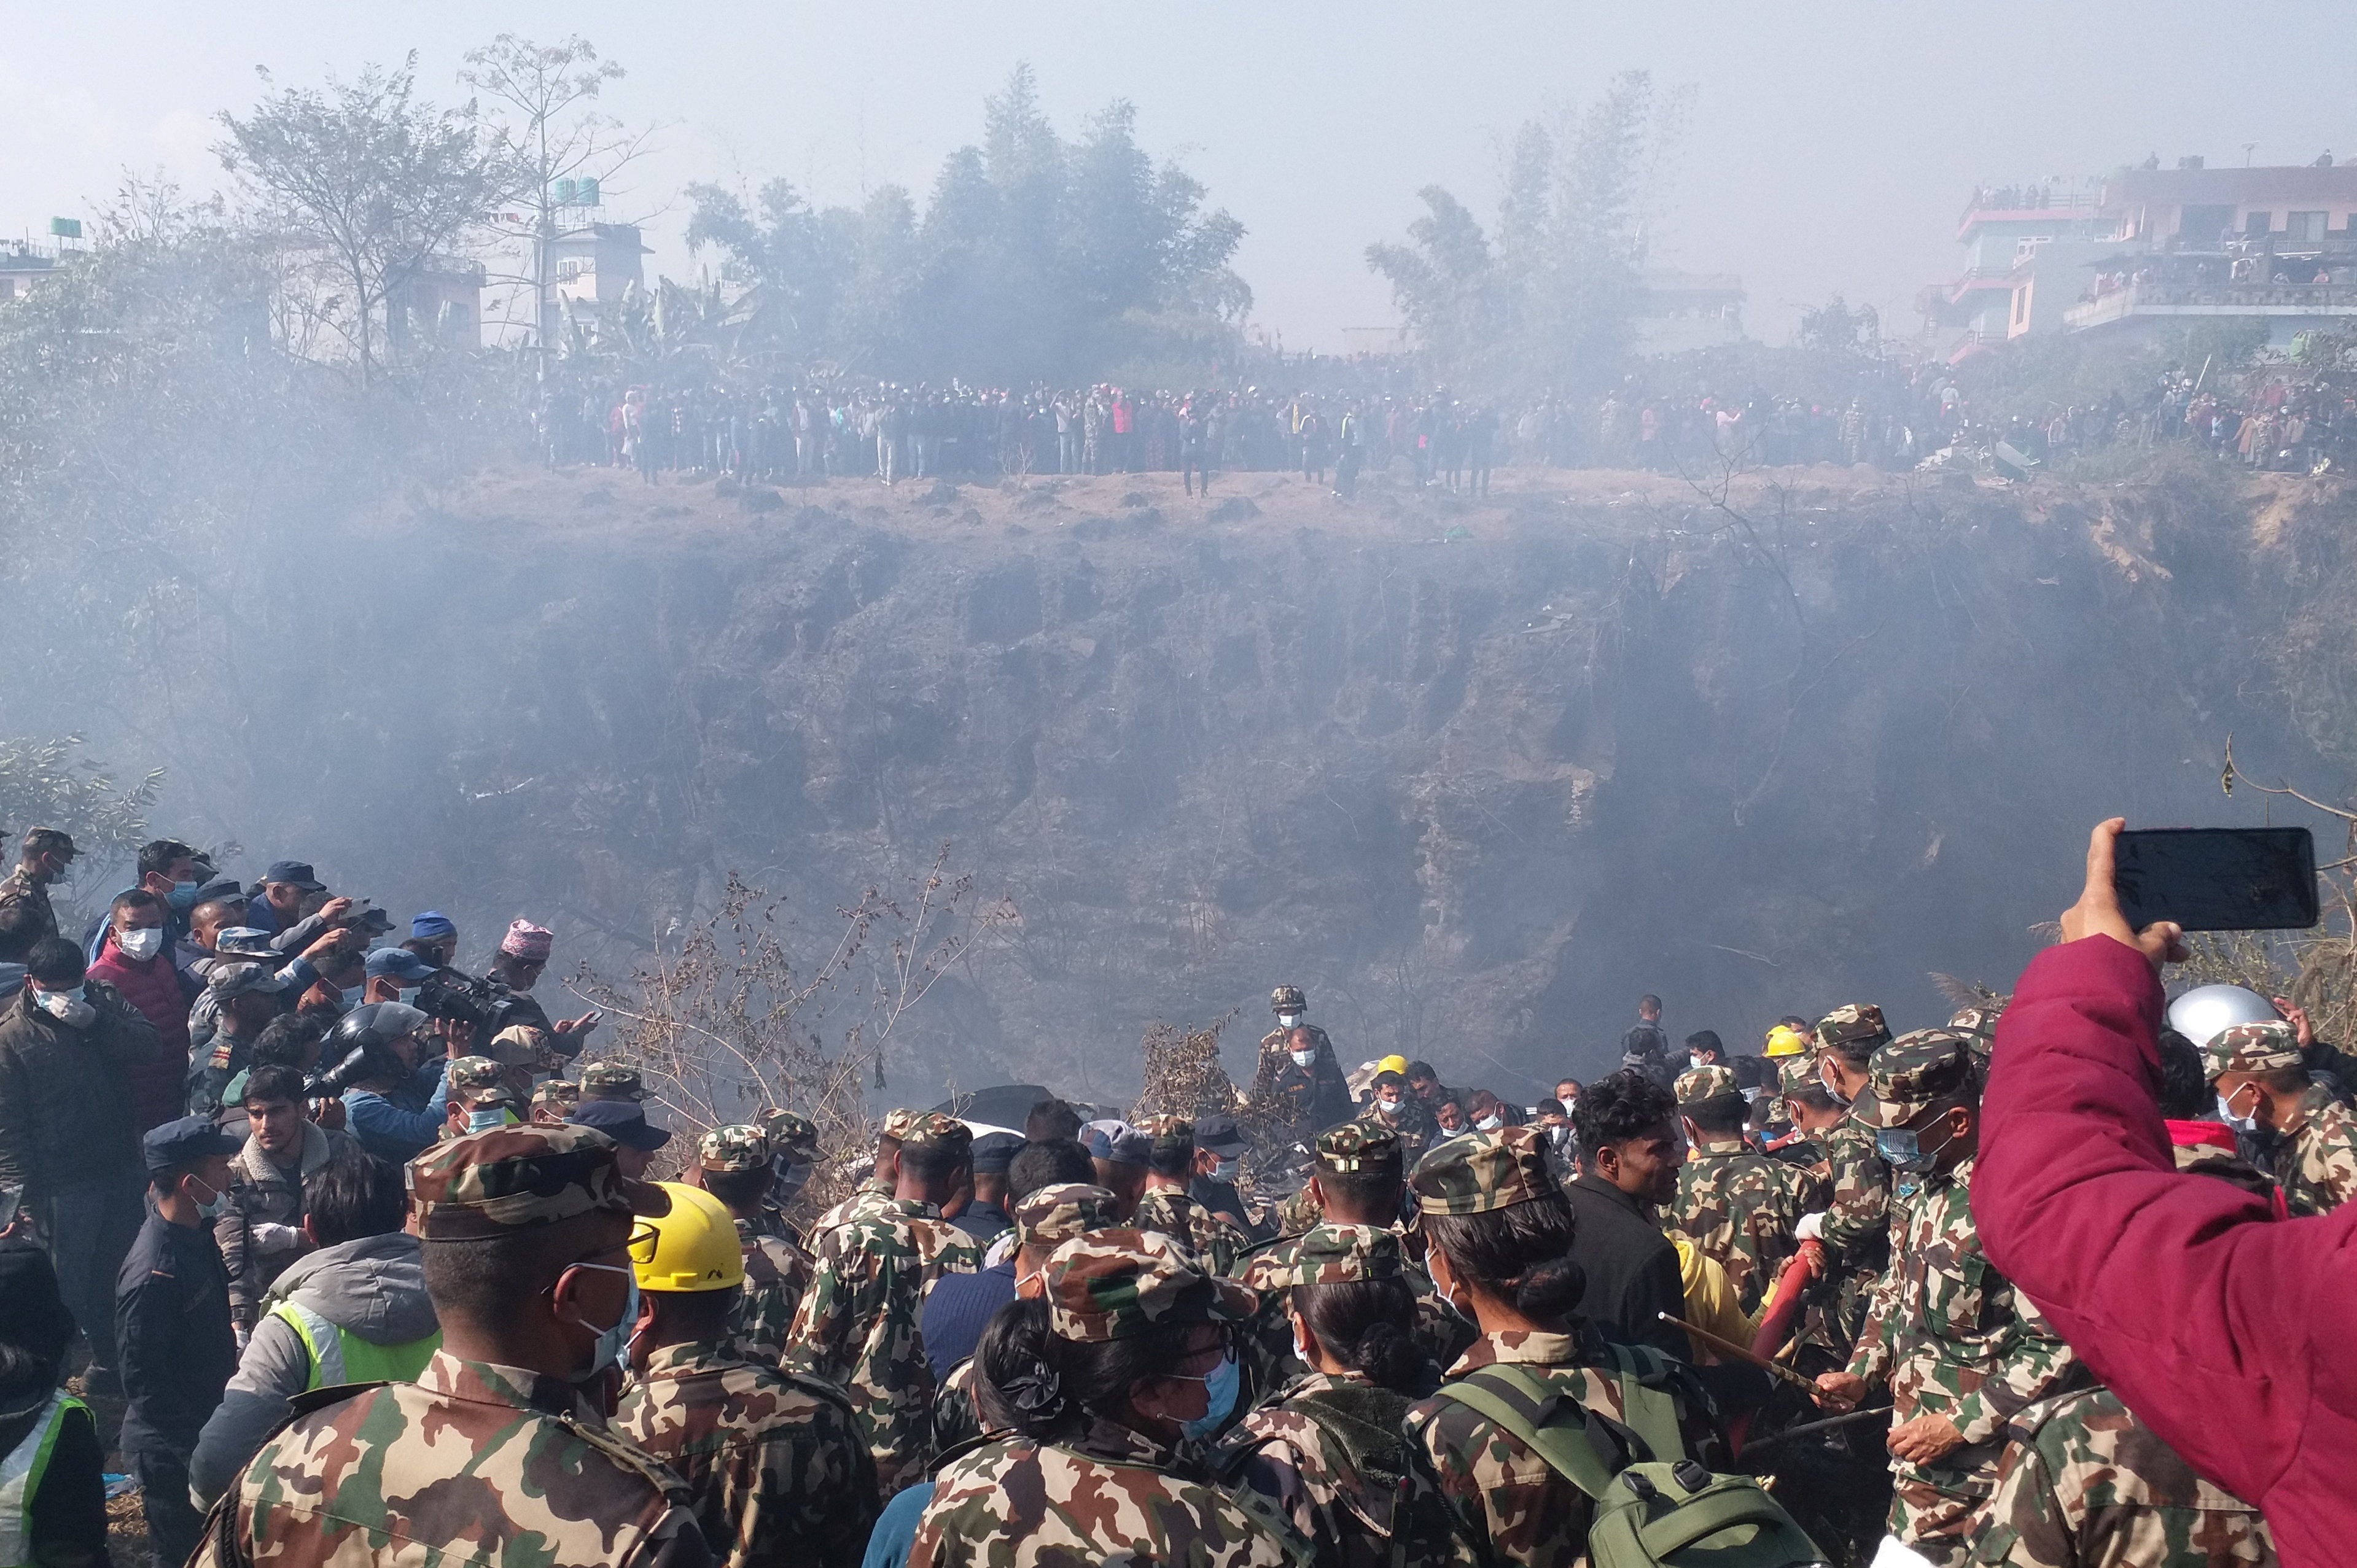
[1393, 1063]
[1783, 1040]
[693, 1248]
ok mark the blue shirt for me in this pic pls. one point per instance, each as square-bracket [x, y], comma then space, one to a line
[958, 1309]
[387, 1127]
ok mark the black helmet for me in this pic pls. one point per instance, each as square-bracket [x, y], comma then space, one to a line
[360, 1048]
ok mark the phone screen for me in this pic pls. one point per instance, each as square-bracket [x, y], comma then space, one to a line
[2217, 879]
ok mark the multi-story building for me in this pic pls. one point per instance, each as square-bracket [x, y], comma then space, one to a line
[2149, 248]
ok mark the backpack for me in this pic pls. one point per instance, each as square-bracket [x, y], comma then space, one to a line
[1651, 1513]
[1369, 1425]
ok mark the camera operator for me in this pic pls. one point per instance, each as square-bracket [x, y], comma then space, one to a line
[515, 969]
[381, 1063]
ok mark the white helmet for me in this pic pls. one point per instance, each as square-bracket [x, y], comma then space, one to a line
[2204, 1011]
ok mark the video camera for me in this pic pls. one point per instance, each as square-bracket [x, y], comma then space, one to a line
[467, 999]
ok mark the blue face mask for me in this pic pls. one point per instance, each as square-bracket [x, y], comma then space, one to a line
[485, 1119]
[1219, 1391]
[2243, 1125]
[183, 896]
[612, 1342]
[1902, 1150]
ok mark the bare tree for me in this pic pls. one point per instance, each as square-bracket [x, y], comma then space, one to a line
[731, 1018]
[374, 183]
[555, 136]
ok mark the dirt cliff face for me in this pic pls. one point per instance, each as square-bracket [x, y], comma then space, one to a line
[1473, 773]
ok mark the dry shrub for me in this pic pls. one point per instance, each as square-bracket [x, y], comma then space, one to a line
[1183, 1075]
[745, 1013]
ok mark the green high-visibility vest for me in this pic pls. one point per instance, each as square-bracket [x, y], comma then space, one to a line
[20, 1478]
[338, 1356]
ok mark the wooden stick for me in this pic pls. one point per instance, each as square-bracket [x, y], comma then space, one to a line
[1741, 1353]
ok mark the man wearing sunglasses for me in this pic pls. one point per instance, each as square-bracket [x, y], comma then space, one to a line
[499, 1453]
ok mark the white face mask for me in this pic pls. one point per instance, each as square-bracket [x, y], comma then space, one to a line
[58, 1004]
[141, 945]
[1694, 1060]
[1303, 1059]
[1489, 1123]
[1287, 1020]
[407, 995]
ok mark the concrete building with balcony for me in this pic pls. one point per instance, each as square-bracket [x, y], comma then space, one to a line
[597, 264]
[2152, 248]
[2276, 246]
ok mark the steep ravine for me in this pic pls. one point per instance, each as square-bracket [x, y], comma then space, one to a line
[1474, 774]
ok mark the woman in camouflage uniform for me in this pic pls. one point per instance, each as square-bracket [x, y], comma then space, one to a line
[1329, 1449]
[1499, 1229]
[1135, 1370]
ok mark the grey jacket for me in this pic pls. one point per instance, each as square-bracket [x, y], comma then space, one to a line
[375, 1287]
[262, 1194]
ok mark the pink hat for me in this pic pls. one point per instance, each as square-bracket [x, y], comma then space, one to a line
[526, 940]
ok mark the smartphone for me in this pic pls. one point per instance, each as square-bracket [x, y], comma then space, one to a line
[2217, 879]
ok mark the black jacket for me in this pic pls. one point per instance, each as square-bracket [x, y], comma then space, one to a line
[65, 1093]
[172, 1323]
[1631, 1267]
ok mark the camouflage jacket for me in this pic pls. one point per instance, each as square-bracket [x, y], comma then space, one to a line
[1306, 1099]
[777, 1274]
[1741, 1209]
[871, 1197]
[1111, 1495]
[858, 1328]
[1306, 1467]
[2318, 1164]
[1411, 1121]
[25, 905]
[1951, 1334]
[1269, 1357]
[1856, 1236]
[777, 1466]
[1201, 1234]
[472, 1464]
[2084, 1484]
[1509, 1503]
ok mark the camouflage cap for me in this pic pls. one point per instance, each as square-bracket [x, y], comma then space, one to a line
[1794, 1074]
[2252, 1048]
[1342, 1254]
[897, 1122]
[1173, 1135]
[524, 1044]
[1116, 1284]
[933, 1130]
[739, 1147]
[557, 1091]
[612, 1080]
[490, 1184]
[1915, 1072]
[1476, 1173]
[474, 1072]
[480, 1095]
[1977, 1024]
[228, 979]
[1856, 1026]
[1700, 1084]
[1356, 1147]
[1287, 999]
[795, 1137]
[1055, 1214]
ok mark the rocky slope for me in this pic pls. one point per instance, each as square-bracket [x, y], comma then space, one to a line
[1473, 772]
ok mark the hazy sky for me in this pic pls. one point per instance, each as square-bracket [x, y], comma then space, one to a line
[1831, 146]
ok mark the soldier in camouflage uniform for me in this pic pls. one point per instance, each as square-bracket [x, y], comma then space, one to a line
[1977, 1024]
[1509, 1503]
[1962, 1351]
[1737, 1208]
[967, 1406]
[734, 1165]
[859, 1323]
[2084, 1484]
[1167, 1209]
[1361, 1174]
[477, 1084]
[553, 1101]
[775, 1461]
[2307, 1137]
[874, 1195]
[794, 1154]
[524, 1230]
[1299, 1096]
[1856, 1229]
[1139, 1332]
[1328, 1450]
[612, 1080]
[26, 916]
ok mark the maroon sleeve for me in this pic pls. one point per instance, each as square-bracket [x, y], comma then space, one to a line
[2185, 1295]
